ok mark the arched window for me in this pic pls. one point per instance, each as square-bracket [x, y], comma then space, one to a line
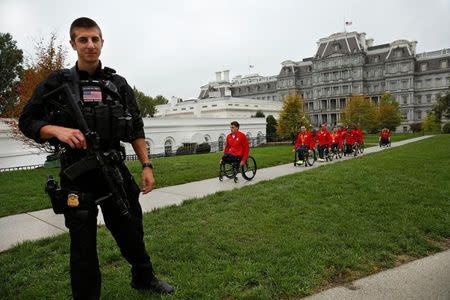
[168, 148]
[221, 142]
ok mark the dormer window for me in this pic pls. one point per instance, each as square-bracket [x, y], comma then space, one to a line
[398, 53]
[444, 64]
[336, 47]
[423, 67]
[376, 59]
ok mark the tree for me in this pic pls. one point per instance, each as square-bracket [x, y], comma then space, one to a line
[388, 114]
[442, 107]
[11, 59]
[271, 129]
[361, 112]
[431, 123]
[146, 103]
[292, 117]
[49, 57]
[258, 114]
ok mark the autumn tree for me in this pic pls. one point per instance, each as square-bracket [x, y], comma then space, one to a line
[49, 56]
[388, 114]
[361, 112]
[292, 117]
[147, 103]
[11, 69]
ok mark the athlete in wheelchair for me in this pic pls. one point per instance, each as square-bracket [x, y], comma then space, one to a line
[304, 148]
[385, 138]
[235, 158]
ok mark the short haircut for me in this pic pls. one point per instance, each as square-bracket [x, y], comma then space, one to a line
[83, 22]
[235, 123]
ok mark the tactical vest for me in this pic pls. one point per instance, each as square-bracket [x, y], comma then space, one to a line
[103, 107]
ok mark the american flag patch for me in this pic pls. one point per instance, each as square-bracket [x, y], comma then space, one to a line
[92, 94]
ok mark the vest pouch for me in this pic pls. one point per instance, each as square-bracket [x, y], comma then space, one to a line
[103, 122]
[89, 115]
[117, 122]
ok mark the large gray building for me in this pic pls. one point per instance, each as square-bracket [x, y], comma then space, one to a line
[348, 63]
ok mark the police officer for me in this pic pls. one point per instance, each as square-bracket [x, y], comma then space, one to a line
[110, 109]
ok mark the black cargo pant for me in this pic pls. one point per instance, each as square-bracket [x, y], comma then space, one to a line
[128, 233]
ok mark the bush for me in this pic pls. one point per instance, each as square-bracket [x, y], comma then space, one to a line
[446, 128]
[203, 148]
[187, 148]
[416, 127]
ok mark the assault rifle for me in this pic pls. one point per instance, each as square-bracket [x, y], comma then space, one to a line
[96, 158]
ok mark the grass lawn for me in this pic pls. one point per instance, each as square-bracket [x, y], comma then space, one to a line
[23, 191]
[283, 238]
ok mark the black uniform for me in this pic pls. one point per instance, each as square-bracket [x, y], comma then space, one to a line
[82, 220]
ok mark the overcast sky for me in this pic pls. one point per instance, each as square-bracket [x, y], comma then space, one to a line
[174, 47]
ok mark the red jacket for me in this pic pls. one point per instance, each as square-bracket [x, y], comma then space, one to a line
[336, 138]
[350, 137]
[303, 139]
[323, 137]
[384, 134]
[237, 144]
[359, 135]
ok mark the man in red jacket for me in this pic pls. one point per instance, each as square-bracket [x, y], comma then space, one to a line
[302, 144]
[324, 140]
[237, 148]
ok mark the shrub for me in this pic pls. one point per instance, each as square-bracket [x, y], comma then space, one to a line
[446, 128]
[187, 148]
[203, 148]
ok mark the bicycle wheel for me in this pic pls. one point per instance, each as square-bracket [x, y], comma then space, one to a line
[249, 169]
[309, 158]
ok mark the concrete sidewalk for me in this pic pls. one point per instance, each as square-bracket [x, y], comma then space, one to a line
[427, 278]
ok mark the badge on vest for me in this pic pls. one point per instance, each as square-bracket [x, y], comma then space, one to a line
[92, 93]
[72, 200]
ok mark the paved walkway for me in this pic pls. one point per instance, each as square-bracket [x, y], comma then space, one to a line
[427, 278]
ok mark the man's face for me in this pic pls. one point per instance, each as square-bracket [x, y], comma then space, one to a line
[88, 43]
[233, 129]
[303, 129]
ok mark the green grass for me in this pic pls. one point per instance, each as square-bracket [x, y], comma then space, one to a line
[372, 139]
[23, 191]
[284, 238]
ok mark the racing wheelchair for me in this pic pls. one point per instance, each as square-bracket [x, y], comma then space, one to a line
[230, 170]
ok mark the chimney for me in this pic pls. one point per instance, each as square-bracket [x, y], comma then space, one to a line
[226, 75]
[218, 76]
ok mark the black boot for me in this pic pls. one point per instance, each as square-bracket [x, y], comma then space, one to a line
[154, 284]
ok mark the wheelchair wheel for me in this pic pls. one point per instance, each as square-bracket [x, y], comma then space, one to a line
[227, 171]
[328, 155]
[309, 158]
[249, 169]
[295, 158]
[340, 153]
[361, 148]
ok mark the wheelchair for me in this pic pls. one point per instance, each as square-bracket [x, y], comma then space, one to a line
[308, 156]
[385, 143]
[230, 170]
